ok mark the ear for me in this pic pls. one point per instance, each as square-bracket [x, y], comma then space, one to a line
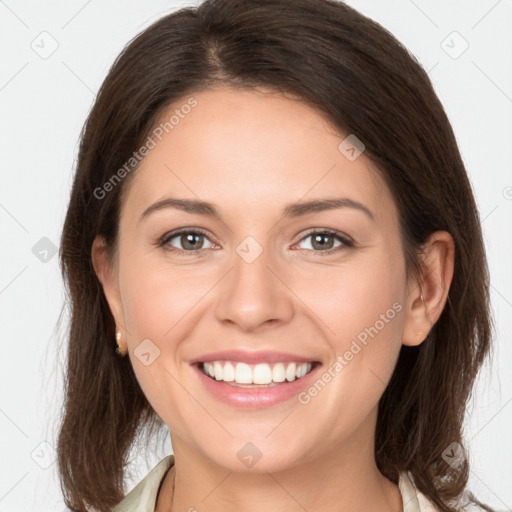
[108, 277]
[436, 277]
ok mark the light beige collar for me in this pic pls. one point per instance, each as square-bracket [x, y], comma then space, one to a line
[409, 496]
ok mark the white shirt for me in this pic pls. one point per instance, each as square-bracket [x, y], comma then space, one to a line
[142, 498]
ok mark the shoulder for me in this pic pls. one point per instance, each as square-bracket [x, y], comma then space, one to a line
[145, 492]
[423, 503]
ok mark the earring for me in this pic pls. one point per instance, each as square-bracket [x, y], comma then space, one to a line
[119, 350]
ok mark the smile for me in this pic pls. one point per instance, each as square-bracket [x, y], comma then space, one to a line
[257, 386]
[259, 374]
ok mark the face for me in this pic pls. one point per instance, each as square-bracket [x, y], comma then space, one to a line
[325, 285]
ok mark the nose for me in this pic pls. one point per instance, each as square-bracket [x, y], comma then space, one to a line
[254, 294]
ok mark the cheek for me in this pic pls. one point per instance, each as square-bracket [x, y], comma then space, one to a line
[360, 308]
[162, 305]
[158, 307]
[351, 297]
[157, 298]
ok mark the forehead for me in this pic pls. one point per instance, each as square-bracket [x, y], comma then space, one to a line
[249, 150]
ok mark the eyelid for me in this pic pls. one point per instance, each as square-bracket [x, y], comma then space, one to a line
[327, 231]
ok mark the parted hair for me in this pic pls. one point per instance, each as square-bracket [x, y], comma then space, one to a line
[357, 74]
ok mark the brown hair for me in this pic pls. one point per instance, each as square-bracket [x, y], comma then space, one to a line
[355, 72]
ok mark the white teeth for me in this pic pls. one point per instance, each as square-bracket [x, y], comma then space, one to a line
[229, 373]
[242, 373]
[217, 370]
[279, 373]
[290, 372]
[262, 374]
[300, 371]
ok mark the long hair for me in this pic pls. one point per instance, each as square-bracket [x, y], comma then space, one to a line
[362, 79]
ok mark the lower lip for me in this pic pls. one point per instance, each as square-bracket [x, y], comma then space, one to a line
[255, 397]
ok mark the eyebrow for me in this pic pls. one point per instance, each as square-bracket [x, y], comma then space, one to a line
[290, 211]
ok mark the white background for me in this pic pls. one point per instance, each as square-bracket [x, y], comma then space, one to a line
[44, 103]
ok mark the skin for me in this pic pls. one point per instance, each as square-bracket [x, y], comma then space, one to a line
[251, 153]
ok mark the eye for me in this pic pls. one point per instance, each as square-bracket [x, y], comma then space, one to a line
[191, 240]
[322, 246]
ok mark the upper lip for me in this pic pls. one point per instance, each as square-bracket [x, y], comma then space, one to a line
[260, 356]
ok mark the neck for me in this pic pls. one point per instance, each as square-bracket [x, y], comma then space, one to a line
[343, 479]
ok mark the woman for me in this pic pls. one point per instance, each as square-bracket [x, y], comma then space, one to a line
[271, 223]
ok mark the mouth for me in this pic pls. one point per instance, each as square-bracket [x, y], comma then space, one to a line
[262, 375]
[254, 380]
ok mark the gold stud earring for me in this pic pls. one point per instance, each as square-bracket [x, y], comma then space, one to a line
[119, 350]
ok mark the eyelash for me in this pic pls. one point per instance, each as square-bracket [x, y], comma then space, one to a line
[347, 243]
